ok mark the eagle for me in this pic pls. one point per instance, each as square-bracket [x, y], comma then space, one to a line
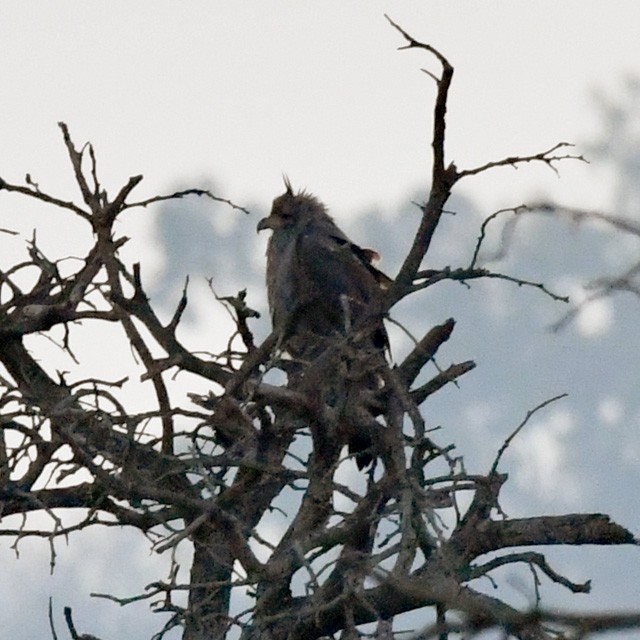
[321, 286]
[319, 283]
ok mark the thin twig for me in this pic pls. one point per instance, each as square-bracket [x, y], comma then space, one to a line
[530, 413]
[485, 224]
[461, 275]
[513, 161]
[181, 194]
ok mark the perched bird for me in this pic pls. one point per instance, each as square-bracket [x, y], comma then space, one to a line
[319, 283]
[321, 286]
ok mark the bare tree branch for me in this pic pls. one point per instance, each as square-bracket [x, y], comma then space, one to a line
[211, 469]
[546, 157]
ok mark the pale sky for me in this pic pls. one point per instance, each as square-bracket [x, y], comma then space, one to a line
[246, 91]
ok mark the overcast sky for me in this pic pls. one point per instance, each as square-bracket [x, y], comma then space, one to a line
[238, 93]
[245, 91]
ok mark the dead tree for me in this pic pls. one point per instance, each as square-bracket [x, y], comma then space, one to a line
[204, 471]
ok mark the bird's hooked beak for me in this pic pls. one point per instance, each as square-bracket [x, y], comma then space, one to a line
[265, 223]
[270, 222]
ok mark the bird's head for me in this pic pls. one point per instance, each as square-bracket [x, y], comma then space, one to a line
[292, 210]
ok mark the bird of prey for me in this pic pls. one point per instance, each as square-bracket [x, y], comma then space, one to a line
[319, 283]
[321, 286]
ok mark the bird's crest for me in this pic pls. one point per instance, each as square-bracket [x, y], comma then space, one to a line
[301, 192]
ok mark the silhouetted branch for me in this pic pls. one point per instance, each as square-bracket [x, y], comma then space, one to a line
[442, 179]
[530, 413]
[450, 374]
[531, 558]
[181, 194]
[425, 350]
[430, 277]
[546, 157]
[39, 195]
